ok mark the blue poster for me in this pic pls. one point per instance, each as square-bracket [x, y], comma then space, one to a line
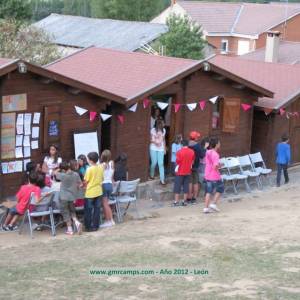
[53, 129]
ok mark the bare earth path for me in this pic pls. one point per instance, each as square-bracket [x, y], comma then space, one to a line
[251, 250]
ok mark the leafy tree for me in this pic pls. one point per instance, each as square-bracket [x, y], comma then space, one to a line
[28, 43]
[43, 8]
[77, 7]
[184, 38]
[15, 9]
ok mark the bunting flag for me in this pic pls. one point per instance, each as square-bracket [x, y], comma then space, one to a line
[162, 105]
[105, 117]
[177, 107]
[192, 106]
[146, 102]
[93, 115]
[121, 119]
[81, 111]
[214, 99]
[282, 111]
[133, 107]
[246, 106]
[268, 111]
[296, 114]
[202, 104]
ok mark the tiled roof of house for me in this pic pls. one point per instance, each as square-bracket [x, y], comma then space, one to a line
[282, 79]
[289, 53]
[83, 32]
[239, 18]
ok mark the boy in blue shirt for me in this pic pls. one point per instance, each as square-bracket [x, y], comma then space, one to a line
[283, 158]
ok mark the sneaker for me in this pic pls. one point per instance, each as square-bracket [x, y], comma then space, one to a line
[183, 203]
[14, 228]
[175, 204]
[35, 226]
[214, 207]
[5, 228]
[188, 201]
[69, 232]
[193, 201]
[207, 210]
[106, 224]
[79, 228]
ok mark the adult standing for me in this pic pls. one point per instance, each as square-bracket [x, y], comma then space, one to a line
[155, 117]
[158, 150]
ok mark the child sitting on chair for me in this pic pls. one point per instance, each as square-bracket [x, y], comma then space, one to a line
[23, 198]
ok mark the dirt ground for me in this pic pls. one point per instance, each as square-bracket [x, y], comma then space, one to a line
[250, 250]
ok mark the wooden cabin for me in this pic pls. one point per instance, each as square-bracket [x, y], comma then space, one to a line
[110, 81]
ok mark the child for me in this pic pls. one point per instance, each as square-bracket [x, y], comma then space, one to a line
[184, 161]
[23, 198]
[176, 146]
[283, 158]
[121, 169]
[212, 176]
[69, 188]
[52, 161]
[107, 186]
[83, 165]
[93, 181]
[204, 145]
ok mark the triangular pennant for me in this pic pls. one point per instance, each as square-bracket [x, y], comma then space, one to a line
[202, 104]
[296, 114]
[282, 111]
[133, 107]
[287, 115]
[177, 107]
[192, 106]
[81, 111]
[246, 106]
[105, 117]
[214, 99]
[268, 111]
[162, 105]
[121, 119]
[146, 102]
[93, 115]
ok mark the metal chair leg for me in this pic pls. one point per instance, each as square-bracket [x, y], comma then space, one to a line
[53, 231]
[30, 225]
[22, 223]
[247, 186]
[137, 213]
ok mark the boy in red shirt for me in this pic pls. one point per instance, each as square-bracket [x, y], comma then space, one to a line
[23, 198]
[184, 160]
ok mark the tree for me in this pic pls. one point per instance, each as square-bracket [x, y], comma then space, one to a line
[184, 38]
[28, 43]
[15, 9]
[77, 7]
[43, 8]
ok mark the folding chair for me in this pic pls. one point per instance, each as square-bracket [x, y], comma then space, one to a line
[234, 169]
[260, 166]
[127, 195]
[247, 169]
[226, 177]
[47, 202]
[112, 201]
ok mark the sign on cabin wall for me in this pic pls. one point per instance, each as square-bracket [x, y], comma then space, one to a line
[8, 135]
[14, 102]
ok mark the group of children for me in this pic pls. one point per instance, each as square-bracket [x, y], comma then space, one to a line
[79, 179]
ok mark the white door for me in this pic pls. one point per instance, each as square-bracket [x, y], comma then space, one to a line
[243, 47]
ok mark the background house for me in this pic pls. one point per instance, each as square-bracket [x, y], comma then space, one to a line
[238, 28]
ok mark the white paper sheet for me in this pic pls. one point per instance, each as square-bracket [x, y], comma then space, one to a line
[26, 142]
[34, 145]
[20, 119]
[27, 151]
[35, 132]
[27, 118]
[20, 129]
[19, 166]
[36, 118]
[4, 167]
[11, 167]
[27, 129]
[19, 152]
[19, 140]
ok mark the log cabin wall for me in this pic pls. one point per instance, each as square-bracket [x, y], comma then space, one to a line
[39, 96]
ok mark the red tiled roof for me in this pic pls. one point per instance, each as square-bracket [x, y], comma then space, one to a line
[125, 74]
[4, 61]
[282, 79]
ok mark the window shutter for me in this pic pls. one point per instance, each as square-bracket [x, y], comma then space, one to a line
[231, 114]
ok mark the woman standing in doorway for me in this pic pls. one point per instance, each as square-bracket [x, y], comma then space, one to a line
[158, 150]
[51, 161]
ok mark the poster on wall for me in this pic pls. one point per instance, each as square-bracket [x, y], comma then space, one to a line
[53, 129]
[8, 135]
[14, 102]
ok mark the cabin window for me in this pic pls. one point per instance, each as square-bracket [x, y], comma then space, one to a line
[231, 115]
[224, 46]
[216, 115]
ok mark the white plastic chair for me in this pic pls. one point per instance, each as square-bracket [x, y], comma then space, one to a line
[225, 175]
[247, 169]
[259, 165]
[113, 199]
[127, 195]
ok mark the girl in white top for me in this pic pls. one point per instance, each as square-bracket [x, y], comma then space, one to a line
[107, 185]
[158, 150]
[51, 161]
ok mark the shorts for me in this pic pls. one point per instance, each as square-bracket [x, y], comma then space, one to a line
[214, 186]
[107, 190]
[195, 177]
[13, 211]
[67, 209]
[182, 182]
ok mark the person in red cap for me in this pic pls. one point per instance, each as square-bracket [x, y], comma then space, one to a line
[199, 154]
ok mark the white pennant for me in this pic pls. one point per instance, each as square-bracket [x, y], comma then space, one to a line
[81, 111]
[133, 107]
[105, 117]
[214, 99]
[192, 106]
[162, 105]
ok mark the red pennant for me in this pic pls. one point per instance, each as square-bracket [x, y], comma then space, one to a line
[246, 107]
[296, 114]
[146, 102]
[177, 107]
[93, 115]
[121, 119]
[268, 111]
[202, 104]
[282, 111]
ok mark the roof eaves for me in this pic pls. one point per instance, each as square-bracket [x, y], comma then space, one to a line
[8, 67]
[287, 100]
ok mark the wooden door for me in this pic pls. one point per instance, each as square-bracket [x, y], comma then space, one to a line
[295, 145]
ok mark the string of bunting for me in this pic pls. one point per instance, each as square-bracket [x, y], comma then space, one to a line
[162, 105]
[283, 113]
